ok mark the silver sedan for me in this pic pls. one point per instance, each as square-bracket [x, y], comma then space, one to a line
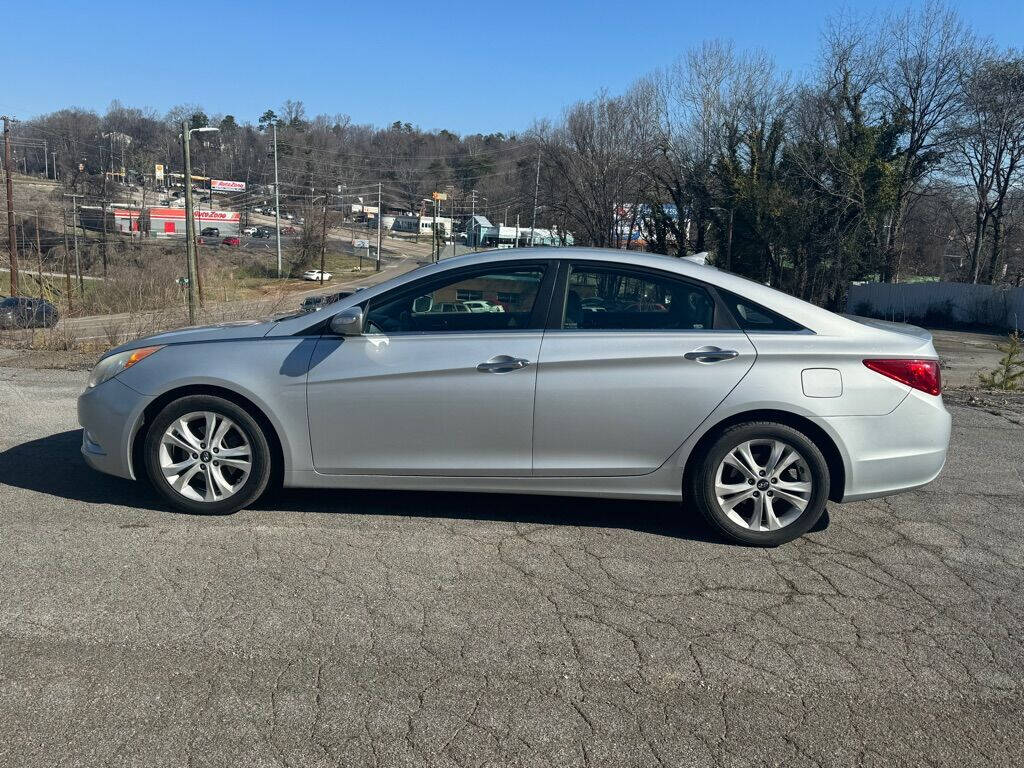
[604, 373]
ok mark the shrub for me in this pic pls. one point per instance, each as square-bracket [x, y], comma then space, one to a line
[1009, 375]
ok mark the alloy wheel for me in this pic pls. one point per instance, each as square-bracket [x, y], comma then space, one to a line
[763, 484]
[205, 456]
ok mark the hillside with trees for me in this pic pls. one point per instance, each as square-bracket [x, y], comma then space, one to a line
[899, 156]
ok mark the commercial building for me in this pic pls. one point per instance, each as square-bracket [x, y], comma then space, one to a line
[481, 233]
[123, 219]
[127, 219]
[421, 225]
[170, 222]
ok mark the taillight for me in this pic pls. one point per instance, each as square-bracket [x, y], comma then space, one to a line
[919, 374]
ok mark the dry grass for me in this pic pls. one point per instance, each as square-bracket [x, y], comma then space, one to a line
[57, 339]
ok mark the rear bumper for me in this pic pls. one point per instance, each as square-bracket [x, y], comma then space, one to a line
[109, 415]
[898, 452]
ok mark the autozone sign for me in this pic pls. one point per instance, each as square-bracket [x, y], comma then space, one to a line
[203, 215]
[221, 185]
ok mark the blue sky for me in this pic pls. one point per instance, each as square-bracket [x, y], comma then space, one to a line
[460, 66]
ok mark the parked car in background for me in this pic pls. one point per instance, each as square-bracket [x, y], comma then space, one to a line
[482, 305]
[737, 400]
[23, 312]
[262, 232]
[448, 307]
[288, 216]
[249, 231]
[210, 232]
[316, 274]
[289, 231]
[231, 240]
[314, 303]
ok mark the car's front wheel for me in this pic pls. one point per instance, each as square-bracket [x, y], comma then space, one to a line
[207, 455]
[762, 483]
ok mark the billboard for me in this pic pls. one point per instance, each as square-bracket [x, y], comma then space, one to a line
[159, 172]
[221, 185]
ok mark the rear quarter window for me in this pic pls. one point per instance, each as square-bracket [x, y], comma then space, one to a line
[753, 317]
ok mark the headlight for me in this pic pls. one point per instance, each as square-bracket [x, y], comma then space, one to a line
[109, 367]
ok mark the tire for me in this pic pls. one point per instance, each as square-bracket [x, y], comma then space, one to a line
[789, 502]
[215, 479]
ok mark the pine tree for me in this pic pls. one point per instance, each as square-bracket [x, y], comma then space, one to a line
[1009, 375]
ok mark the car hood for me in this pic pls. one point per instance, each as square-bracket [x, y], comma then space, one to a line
[247, 329]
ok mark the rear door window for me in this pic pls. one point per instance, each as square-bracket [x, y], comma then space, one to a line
[616, 299]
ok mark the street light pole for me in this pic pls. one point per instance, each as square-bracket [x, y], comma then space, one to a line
[190, 246]
[277, 204]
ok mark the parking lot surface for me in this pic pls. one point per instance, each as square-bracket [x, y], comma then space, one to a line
[341, 628]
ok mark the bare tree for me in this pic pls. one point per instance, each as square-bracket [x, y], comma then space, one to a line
[924, 52]
[989, 142]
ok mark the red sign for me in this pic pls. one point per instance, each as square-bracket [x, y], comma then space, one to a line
[220, 185]
[204, 215]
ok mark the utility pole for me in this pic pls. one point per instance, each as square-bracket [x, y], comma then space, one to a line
[74, 231]
[380, 224]
[472, 220]
[103, 243]
[39, 258]
[46, 159]
[277, 204]
[190, 226]
[67, 271]
[536, 188]
[12, 235]
[323, 240]
[433, 247]
[54, 165]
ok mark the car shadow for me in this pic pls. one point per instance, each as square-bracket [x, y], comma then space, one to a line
[53, 465]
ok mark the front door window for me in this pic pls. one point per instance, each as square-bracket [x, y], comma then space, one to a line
[502, 299]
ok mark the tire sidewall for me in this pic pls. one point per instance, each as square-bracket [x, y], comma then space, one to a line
[729, 439]
[259, 475]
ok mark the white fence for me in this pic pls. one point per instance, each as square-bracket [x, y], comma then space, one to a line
[940, 303]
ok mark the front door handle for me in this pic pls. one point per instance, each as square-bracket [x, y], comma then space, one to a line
[711, 354]
[502, 364]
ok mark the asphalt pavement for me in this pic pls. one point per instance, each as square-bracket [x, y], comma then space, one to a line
[391, 629]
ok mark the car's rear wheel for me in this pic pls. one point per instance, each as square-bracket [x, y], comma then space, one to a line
[762, 483]
[207, 455]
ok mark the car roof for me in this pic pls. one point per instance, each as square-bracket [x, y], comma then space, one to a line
[806, 314]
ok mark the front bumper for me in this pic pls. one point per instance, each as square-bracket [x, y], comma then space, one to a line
[110, 414]
[897, 452]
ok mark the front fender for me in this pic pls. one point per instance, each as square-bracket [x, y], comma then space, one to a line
[268, 372]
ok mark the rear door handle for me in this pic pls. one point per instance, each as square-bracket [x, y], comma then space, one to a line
[502, 364]
[711, 354]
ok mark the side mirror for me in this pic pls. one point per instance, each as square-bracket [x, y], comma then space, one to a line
[348, 322]
[422, 304]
